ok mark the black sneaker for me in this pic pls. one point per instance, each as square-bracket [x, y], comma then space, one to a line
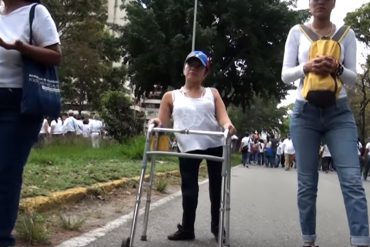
[215, 233]
[181, 234]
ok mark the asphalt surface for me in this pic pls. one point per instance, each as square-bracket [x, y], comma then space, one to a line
[263, 214]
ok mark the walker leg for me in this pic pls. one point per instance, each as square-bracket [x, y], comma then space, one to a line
[148, 199]
[130, 240]
[224, 225]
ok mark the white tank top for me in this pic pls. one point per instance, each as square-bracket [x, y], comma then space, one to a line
[195, 114]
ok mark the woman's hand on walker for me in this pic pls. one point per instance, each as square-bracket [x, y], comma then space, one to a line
[155, 121]
[230, 127]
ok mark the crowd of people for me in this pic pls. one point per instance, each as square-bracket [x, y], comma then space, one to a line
[71, 124]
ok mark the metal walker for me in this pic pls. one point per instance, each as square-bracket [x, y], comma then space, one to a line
[224, 224]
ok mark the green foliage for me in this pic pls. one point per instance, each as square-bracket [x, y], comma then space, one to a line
[89, 50]
[261, 114]
[121, 121]
[245, 39]
[31, 228]
[134, 147]
[360, 99]
[161, 184]
[359, 20]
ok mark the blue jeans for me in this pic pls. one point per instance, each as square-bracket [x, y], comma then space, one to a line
[17, 135]
[337, 126]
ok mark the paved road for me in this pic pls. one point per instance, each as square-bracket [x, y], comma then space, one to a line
[263, 214]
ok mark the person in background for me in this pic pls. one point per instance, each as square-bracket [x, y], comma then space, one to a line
[326, 160]
[19, 132]
[334, 123]
[70, 124]
[289, 152]
[44, 133]
[56, 128]
[86, 129]
[366, 158]
[196, 107]
[244, 149]
[96, 130]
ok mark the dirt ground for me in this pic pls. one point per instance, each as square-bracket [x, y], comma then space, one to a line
[96, 210]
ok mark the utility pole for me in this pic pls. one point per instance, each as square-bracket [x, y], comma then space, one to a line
[194, 24]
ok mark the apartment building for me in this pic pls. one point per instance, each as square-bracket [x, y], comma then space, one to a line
[115, 14]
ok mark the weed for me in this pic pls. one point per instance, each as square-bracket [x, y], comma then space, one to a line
[31, 227]
[71, 222]
[161, 184]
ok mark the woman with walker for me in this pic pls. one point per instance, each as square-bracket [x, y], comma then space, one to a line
[197, 108]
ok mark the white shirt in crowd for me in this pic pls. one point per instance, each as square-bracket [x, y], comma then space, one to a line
[244, 142]
[44, 127]
[70, 124]
[325, 151]
[288, 146]
[279, 149]
[96, 126]
[368, 148]
[261, 147]
[56, 127]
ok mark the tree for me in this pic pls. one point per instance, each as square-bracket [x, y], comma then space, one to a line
[89, 49]
[244, 38]
[262, 114]
[360, 99]
[121, 121]
[359, 21]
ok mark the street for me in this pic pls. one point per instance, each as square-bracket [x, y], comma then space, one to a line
[263, 214]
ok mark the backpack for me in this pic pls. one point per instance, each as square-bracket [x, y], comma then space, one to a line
[323, 91]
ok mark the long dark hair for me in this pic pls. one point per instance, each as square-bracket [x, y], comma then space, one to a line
[34, 1]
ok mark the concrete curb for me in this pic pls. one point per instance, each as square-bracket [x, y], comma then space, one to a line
[43, 203]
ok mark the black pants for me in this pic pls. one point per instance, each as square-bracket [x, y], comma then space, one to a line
[189, 169]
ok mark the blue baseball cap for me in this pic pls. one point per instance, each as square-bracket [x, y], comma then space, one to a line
[201, 56]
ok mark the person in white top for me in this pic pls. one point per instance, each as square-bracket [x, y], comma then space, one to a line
[70, 124]
[196, 108]
[244, 148]
[326, 160]
[19, 132]
[44, 133]
[335, 123]
[56, 127]
[366, 158]
[289, 152]
[96, 128]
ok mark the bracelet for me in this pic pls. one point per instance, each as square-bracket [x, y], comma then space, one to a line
[339, 70]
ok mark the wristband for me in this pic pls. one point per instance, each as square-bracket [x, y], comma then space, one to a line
[339, 70]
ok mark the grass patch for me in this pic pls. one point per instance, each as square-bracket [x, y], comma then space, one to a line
[71, 222]
[62, 165]
[161, 184]
[31, 228]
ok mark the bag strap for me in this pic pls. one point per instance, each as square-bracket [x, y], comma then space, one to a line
[341, 33]
[311, 35]
[31, 17]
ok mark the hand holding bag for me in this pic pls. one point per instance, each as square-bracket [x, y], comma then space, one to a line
[41, 93]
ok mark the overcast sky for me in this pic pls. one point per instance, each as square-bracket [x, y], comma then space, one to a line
[342, 7]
